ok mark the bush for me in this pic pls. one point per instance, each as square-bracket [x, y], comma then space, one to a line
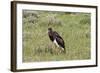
[30, 16]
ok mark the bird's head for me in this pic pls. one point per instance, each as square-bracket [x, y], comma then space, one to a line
[49, 29]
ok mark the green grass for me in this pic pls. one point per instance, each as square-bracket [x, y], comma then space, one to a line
[73, 27]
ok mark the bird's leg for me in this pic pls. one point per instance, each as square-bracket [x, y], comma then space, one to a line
[55, 48]
[63, 50]
[52, 47]
[60, 50]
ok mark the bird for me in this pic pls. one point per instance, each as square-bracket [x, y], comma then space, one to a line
[56, 39]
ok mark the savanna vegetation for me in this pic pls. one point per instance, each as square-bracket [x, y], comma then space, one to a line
[73, 27]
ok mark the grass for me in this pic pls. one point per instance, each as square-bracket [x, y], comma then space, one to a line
[73, 27]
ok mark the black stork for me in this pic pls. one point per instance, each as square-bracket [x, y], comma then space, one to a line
[56, 39]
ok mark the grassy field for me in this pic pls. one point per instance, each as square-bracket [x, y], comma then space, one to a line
[73, 27]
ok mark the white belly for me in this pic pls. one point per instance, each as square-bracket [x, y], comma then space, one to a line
[55, 42]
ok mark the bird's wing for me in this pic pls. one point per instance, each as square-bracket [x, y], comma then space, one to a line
[60, 41]
[57, 35]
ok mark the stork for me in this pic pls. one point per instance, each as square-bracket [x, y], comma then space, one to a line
[56, 39]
